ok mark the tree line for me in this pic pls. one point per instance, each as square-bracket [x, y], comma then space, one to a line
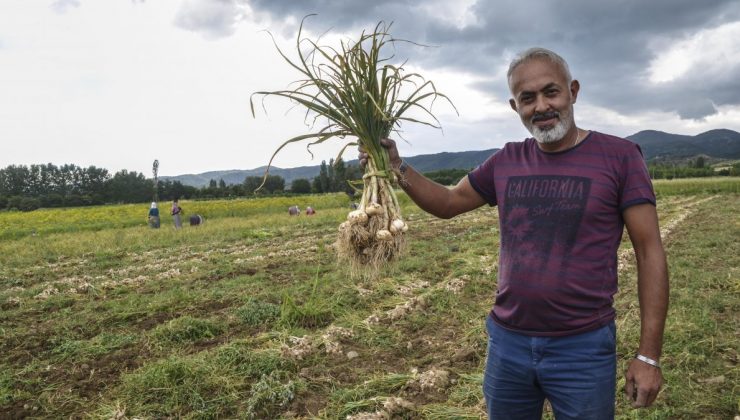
[31, 187]
[695, 168]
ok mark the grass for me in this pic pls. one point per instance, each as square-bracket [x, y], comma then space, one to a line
[255, 312]
[252, 317]
[714, 185]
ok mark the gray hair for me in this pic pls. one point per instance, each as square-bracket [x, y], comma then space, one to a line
[538, 53]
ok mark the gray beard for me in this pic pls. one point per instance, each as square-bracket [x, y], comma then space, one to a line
[550, 135]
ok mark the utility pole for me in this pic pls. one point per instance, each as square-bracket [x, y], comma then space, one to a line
[155, 171]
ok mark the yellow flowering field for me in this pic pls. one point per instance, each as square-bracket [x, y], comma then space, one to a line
[43, 221]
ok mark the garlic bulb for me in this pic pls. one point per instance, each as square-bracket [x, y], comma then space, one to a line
[357, 217]
[374, 209]
[383, 235]
[397, 226]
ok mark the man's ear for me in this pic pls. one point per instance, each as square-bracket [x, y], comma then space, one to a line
[574, 88]
[512, 104]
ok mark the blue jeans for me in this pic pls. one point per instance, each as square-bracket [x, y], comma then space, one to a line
[575, 373]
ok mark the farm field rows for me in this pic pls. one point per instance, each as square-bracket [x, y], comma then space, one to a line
[250, 316]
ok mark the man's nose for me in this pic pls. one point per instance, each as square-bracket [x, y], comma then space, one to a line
[540, 104]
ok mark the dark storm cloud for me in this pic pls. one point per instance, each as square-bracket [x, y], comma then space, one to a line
[608, 44]
[213, 18]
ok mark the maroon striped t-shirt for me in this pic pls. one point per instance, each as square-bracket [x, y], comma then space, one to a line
[561, 224]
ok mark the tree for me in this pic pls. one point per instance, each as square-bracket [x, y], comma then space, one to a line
[251, 183]
[129, 187]
[700, 161]
[300, 186]
[93, 183]
[14, 180]
[351, 173]
[324, 181]
[339, 177]
[330, 174]
[273, 184]
[29, 204]
[447, 176]
[169, 190]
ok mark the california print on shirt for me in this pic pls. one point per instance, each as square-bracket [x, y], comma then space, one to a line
[542, 216]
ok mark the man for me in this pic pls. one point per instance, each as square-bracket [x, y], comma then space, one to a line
[563, 199]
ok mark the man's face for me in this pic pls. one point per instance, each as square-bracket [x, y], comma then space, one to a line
[544, 99]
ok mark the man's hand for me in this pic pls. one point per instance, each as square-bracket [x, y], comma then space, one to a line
[642, 384]
[390, 145]
[433, 198]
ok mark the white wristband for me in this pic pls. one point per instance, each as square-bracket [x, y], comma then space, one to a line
[647, 360]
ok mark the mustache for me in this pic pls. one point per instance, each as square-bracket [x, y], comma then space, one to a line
[544, 116]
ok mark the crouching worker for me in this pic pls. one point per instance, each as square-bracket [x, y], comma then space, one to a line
[294, 211]
[196, 220]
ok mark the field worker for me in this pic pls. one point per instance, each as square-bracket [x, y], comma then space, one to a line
[176, 214]
[310, 211]
[294, 211]
[154, 216]
[563, 198]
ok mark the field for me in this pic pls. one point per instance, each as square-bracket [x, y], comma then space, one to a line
[250, 316]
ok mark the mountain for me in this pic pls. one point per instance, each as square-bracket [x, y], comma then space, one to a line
[717, 144]
[423, 163]
[655, 144]
[720, 144]
[236, 176]
[449, 160]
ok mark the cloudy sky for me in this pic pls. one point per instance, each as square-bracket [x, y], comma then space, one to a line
[119, 83]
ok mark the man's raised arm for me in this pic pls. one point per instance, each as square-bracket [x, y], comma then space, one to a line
[432, 197]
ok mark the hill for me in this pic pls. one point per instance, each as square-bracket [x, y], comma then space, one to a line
[424, 163]
[715, 145]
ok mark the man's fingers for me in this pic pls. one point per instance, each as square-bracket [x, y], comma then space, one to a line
[630, 390]
[651, 398]
[642, 396]
[387, 143]
[642, 384]
[362, 158]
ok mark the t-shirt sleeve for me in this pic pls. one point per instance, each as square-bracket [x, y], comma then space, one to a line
[636, 187]
[482, 177]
